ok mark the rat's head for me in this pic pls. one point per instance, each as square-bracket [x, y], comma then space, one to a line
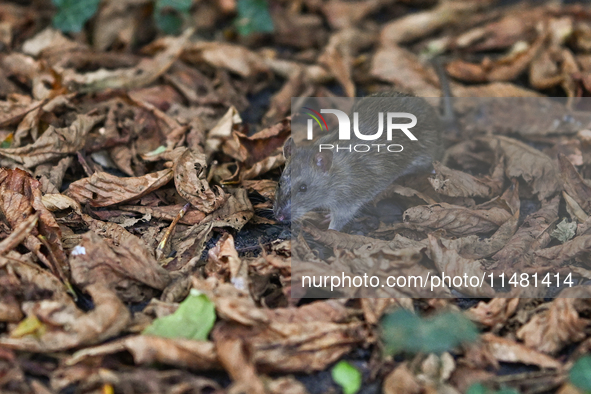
[305, 183]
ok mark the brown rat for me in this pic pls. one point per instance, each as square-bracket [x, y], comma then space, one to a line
[343, 181]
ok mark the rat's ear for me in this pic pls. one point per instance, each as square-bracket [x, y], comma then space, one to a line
[288, 148]
[323, 160]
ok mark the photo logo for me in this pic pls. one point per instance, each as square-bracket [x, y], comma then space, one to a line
[310, 124]
[345, 125]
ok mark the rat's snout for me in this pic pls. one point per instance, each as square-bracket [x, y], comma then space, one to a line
[282, 212]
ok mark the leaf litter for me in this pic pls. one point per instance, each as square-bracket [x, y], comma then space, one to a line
[138, 173]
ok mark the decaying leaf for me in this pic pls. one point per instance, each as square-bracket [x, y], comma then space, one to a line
[54, 142]
[494, 313]
[55, 331]
[124, 267]
[190, 179]
[559, 323]
[456, 220]
[20, 198]
[532, 235]
[460, 184]
[506, 350]
[186, 353]
[574, 184]
[102, 189]
[521, 160]
[143, 74]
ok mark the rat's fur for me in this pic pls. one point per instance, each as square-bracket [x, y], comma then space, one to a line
[343, 182]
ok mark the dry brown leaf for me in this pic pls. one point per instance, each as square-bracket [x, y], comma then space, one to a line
[222, 131]
[223, 261]
[456, 183]
[450, 263]
[403, 68]
[102, 189]
[265, 187]
[473, 247]
[145, 349]
[577, 248]
[59, 202]
[19, 233]
[533, 234]
[190, 179]
[493, 89]
[238, 361]
[295, 347]
[262, 167]
[339, 53]
[124, 267]
[54, 142]
[500, 34]
[235, 58]
[544, 72]
[13, 111]
[117, 23]
[535, 167]
[504, 69]
[494, 313]
[401, 381]
[235, 213]
[265, 143]
[506, 350]
[420, 24]
[108, 318]
[20, 198]
[456, 220]
[168, 213]
[574, 184]
[343, 14]
[559, 323]
[146, 72]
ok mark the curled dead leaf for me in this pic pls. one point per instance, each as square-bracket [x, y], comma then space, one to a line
[102, 189]
[190, 179]
[54, 142]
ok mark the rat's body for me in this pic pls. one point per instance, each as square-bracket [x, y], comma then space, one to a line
[342, 182]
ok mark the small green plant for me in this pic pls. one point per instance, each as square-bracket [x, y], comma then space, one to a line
[169, 15]
[193, 319]
[347, 376]
[564, 231]
[253, 16]
[73, 14]
[479, 388]
[404, 331]
[580, 374]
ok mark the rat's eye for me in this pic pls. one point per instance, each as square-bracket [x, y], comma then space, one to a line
[303, 188]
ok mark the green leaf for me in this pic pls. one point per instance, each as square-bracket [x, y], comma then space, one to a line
[178, 5]
[347, 376]
[193, 319]
[564, 231]
[479, 388]
[73, 14]
[580, 374]
[170, 14]
[169, 22]
[253, 16]
[405, 331]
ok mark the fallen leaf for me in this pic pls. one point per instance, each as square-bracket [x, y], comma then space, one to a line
[102, 189]
[190, 179]
[106, 320]
[559, 323]
[54, 143]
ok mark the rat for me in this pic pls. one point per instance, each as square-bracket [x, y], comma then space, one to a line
[344, 181]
